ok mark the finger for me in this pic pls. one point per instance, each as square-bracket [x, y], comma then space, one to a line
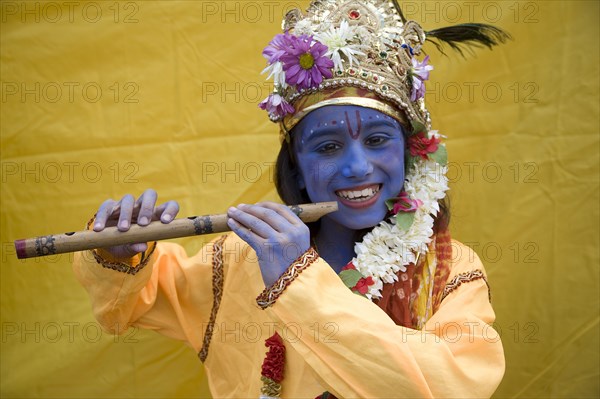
[127, 251]
[167, 211]
[250, 221]
[127, 203]
[137, 248]
[146, 207]
[246, 234]
[269, 216]
[105, 210]
[283, 211]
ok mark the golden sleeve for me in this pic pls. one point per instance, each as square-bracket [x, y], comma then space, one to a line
[171, 295]
[356, 350]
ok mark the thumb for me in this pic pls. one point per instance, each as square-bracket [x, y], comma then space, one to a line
[127, 251]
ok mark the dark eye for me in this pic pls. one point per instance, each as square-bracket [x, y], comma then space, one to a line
[327, 148]
[376, 140]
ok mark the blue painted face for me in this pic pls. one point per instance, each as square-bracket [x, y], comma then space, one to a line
[352, 155]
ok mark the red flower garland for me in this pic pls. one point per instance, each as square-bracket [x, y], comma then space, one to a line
[420, 145]
[362, 285]
[275, 359]
[272, 367]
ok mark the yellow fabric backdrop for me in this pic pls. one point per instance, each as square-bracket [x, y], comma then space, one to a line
[104, 98]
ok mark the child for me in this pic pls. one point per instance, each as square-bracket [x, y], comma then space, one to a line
[374, 300]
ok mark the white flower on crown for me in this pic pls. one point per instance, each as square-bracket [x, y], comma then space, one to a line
[342, 43]
[276, 71]
[365, 37]
[304, 27]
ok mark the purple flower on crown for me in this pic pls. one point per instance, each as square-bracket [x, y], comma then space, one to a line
[419, 73]
[276, 105]
[277, 47]
[305, 63]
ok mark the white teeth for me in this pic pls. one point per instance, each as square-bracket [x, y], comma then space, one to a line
[359, 195]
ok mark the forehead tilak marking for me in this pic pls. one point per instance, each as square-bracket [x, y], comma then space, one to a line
[354, 135]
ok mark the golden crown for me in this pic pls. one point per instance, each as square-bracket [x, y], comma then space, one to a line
[356, 52]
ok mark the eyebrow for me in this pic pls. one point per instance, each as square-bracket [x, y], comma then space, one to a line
[329, 129]
[385, 122]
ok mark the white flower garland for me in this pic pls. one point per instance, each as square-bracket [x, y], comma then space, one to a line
[388, 249]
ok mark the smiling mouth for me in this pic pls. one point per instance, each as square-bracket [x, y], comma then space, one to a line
[359, 194]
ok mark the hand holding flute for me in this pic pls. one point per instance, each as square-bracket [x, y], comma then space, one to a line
[276, 232]
[129, 210]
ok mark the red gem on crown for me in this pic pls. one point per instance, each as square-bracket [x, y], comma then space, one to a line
[354, 14]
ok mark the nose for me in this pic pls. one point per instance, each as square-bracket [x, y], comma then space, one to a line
[356, 162]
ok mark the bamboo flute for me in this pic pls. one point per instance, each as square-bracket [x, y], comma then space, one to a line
[155, 231]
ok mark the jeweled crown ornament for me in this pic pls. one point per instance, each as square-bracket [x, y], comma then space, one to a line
[359, 53]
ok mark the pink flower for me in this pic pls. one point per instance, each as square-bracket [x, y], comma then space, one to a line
[276, 105]
[420, 145]
[421, 69]
[305, 63]
[405, 204]
[420, 73]
[418, 89]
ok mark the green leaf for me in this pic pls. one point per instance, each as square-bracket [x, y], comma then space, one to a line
[417, 127]
[390, 203]
[350, 277]
[405, 219]
[440, 156]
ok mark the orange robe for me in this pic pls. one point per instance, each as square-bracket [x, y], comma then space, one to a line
[335, 340]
